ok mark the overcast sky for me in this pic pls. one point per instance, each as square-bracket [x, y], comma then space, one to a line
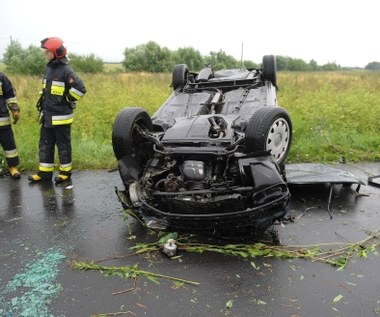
[345, 32]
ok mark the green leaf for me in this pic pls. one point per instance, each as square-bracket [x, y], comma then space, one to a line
[151, 278]
[229, 304]
[170, 235]
[261, 302]
[177, 285]
[255, 266]
[337, 298]
[362, 253]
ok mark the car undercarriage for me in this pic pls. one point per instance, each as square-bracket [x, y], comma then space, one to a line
[211, 159]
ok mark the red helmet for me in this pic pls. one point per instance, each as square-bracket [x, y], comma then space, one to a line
[54, 44]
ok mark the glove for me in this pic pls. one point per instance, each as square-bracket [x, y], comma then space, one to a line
[15, 109]
[16, 116]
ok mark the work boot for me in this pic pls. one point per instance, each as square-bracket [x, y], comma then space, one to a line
[62, 177]
[13, 171]
[36, 178]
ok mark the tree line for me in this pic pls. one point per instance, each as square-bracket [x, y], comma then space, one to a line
[151, 57]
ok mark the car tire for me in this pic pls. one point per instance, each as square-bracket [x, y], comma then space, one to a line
[125, 139]
[269, 68]
[180, 76]
[270, 129]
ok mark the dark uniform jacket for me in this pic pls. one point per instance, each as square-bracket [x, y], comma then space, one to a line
[7, 95]
[61, 89]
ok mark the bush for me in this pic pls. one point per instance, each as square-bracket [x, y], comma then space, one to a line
[373, 66]
[30, 61]
[149, 57]
[86, 64]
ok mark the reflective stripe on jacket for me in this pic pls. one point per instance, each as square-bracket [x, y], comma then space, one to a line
[4, 121]
[59, 120]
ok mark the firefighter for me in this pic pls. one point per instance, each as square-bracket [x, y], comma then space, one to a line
[61, 89]
[8, 102]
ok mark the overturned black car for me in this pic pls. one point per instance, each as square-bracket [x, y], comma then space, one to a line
[211, 159]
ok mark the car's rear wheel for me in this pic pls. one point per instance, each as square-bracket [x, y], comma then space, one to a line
[269, 68]
[180, 76]
[126, 137]
[270, 129]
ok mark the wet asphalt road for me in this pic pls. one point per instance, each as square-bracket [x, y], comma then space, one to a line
[44, 227]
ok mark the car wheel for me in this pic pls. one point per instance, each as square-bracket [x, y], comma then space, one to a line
[269, 68]
[126, 139]
[270, 129]
[180, 76]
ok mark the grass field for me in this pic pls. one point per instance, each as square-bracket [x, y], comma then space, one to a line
[334, 114]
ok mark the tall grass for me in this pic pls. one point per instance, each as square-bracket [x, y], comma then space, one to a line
[334, 114]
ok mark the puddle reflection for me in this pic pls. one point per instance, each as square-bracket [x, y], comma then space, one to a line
[11, 201]
[57, 200]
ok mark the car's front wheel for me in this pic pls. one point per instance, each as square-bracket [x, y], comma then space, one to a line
[180, 76]
[270, 129]
[126, 132]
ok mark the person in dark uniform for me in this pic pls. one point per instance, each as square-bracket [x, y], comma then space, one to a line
[61, 89]
[8, 102]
